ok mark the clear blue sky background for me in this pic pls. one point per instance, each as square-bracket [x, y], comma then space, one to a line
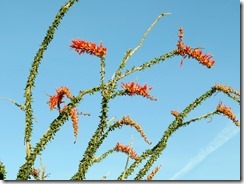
[202, 148]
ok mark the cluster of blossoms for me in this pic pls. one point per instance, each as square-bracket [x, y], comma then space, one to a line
[226, 89]
[135, 89]
[194, 53]
[126, 120]
[126, 149]
[57, 99]
[227, 112]
[81, 46]
[175, 113]
[152, 174]
[75, 119]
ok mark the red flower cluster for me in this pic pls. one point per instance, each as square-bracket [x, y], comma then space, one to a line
[227, 112]
[75, 119]
[194, 53]
[126, 149]
[135, 89]
[81, 46]
[226, 89]
[126, 120]
[56, 100]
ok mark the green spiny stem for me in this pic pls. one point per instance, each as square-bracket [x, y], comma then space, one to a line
[3, 172]
[205, 116]
[55, 126]
[113, 82]
[103, 156]
[177, 123]
[147, 32]
[118, 93]
[110, 129]
[128, 158]
[102, 70]
[197, 102]
[95, 142]
[234, 95]
[131, 169]
[157, 149]
[22, 107]
[15, 103]
[34, 71]
[122, 64]
[147, 64]
[130, 52]
[234, 98]
[25, 169]
[85, 163]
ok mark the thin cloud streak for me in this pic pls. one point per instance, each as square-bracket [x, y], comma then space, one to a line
[223, 137]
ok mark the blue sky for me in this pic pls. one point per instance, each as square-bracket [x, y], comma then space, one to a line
[201, 151]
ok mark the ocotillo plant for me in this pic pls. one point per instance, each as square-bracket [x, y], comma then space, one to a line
[66, 104]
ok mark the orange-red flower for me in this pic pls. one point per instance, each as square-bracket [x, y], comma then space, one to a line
[81, 46]
[126, 149]
[56, 99]
[227, 112]
[53, 101]
[226, 89]
[135, 89]
[194, 53]
[75, 119]
[126, 120]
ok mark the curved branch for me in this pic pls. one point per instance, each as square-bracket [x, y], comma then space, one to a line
[130, 52]
[55, 126]
[34, 71]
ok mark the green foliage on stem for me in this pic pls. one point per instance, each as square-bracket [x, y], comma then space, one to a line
[177, 123]
[34, 71]
[55, 126]
[108, 92]
[25, 169]
[102, 70]
[157, 150]
[3, 172]
[103, 156]
[94, 143]
[148, 64]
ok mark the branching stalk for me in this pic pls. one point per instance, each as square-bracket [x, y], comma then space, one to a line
[128, 158]
[25, 169]
[130, 52]
[108, 92]
[34, 72]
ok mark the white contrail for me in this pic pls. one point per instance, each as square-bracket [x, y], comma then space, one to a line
[224, 136]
